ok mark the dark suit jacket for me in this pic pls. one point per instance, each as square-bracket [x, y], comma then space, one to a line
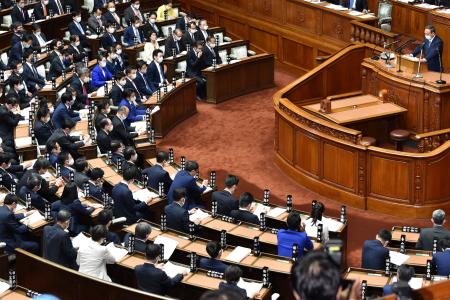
[154, 280]
[427, 235]
[177, 217]
[225, 202]
[181, 24]
[56, 68]
[125, 205]
[153, 74]
[210, 55]
[10, 228]
[157, 174]
[99, 4]
[120, 132]
[374, 255]
[172, 44]
[441, 261]
[195, 64]
[24, 99]
[360, 5]
[58, 248]
[32, 77]
[233, 287]
[129, 36]
[212, 264]
[199, 36]
[144, 86]
[187, 38]
[8, 124]
[79, 213]
[17, 16]
[67, 143]
[15, 39]
[54, 7]
[79, 55]
[43, 131]
[39, 11]
[74, 30]
[36, 200]
[61, 113]
[116, 94]
[35, 44]
[193, 191]
[132, 85]
[77, 85]
[244, 216]
[109, 18]
[108, 40]
[47, 192]
[16, 53]
[103, 141]
[129, 14]
[153, 28]
[431, 53]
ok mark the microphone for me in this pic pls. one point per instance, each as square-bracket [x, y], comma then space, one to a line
[441, 67]
[390, 44]
[374, 57]
[400, 48]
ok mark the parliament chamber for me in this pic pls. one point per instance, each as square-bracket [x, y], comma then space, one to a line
[186, 149]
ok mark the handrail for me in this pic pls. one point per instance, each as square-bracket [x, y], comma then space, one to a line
[363, 33]
[431, 140]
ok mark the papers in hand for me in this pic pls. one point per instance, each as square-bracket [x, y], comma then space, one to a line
[118, 253]
[398, 258]
[259, 208]
[415, 283]
[4, 287]
[33, 218]
[199, 214]
[80, 240]
[23, 141]
[169, 245]
[252, 288]
[208, 188]
[92, 36]
[143, 195]
[173, 270]
[46, 175]
[238, 254]
[275, 212]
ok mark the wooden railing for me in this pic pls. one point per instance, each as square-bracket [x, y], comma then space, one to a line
[363, 33]
[431, 140]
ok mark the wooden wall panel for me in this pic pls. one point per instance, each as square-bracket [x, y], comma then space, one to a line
[265, 40]
[302, 16]
[298, 54]
[285, 140]
[437, 180]
[234, 27]
[339, 166]
[307, 154]
[266, 8]
[334, 27]
[389, 178]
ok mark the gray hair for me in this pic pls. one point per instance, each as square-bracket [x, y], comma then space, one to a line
[438, 216]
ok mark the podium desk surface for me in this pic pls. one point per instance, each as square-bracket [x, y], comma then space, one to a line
[374, 279]
[13, 295]
[411, 237]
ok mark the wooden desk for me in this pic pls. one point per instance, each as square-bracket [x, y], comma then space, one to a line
[411, 238]
[248, 75]
[357, 109]
[134, 51]
[374, 278]
[54, 27]
[5, 40]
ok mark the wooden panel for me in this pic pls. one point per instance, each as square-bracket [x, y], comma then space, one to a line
[267, 9]
[201, 12]
[389, 178]
[285, 139]
[302, 16]
[437, 187]
[336, 26]
[307, 154]
[339, 165]
[265, 40]
[234, 27]
[298, 54]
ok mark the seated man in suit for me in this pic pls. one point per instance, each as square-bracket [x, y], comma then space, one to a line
[141, 234]
[102, 112]
[18, 32]
[203, 32]
[132, 34]
[401, 287]
[79, 29]
[81, 172]
[19, 91]
[177, 215]
[41, 10]
[19, 13]
[245, 211]
[124, 203]
[30, 74]
[185, 179]
[96, 23]
[111, 15]
[174, 43]
[17, 50]
[108, 39]
[152, 26]
[104, 135]
[166, 11]
[62, 63]
[39, 39]
[155, 71]
[150, 277]
[156, 174]
[10, 116]
[359, 5]
[183, 23]
[75, 48]
[57, 246]
[144, 86]
[135, 114]
[131, 158]
[441, 260]
[130, 84]
[294, 234]
[374, 252]
[100, 73]
[189, 35]
[438, 231]
[105, 218]
[113, 65]
[67, 142]
[225, 200]
[121, 58]
[430, 51]
[8, 179]
[12, 232]
[232, 276]
[132, 12]
[31, 188]
[55, 150]
[211, 52]
[65, 163]
[96, 183]
[213, 263]
[64, 111]
[82, 87]
[122, 132]
[117, 148]
[194, 65]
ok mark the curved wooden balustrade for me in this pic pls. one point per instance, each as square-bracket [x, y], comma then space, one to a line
[363, 33]
[328, 158]
[431, 140]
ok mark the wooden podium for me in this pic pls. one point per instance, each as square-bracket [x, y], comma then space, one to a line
[411, 64]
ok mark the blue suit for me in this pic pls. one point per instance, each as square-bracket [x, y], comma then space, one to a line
[125, 205]
[441, 260]
[144, 86]
[61, 113]
[193, 191]
[177, 217]
[74, 30]
[99, 78]
[58, 248]
[157, 174]
[153, 280]
[32, 77]
[16, 53]
[134, 115]
[431, 53]
[129, 36]
[108, 40]
[212, 264]
[36, 200]
[374, 255]
[153, 74]
[78, 211]
[287, 238]
[387, 289]
[53, 159]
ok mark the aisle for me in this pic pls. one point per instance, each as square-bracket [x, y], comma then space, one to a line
[237, 137]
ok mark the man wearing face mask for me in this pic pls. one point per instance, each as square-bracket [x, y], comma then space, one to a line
[189, 35]
[64, 111]
[132, 12]
[10, 117]
[131, 160]
[133, 34]
[103, 135]
[155, 72]
[122, 132]
[135, 113]
[211, 52]
[144, 86]
[121, 59]
[203, 33]
[18, 49]
[151, 25]
[96, 22]
[19, 13]
[31, 188]
[100, 73]
[43, 127]
[41, 10]
[17, 90]
[118, 88]
[81, 84]
[77, 28]
[109, 38]
[18, 31]
[195, 64]
[183, 23]
[430, 51]
[69, 144]
[111, 16]
[18, 71]
[76, 49]
[177, 215]
[166, 10]
[174, 42]
[130, 84]
[61, 63]
[57, 246]
[39, 39]
[32, 78]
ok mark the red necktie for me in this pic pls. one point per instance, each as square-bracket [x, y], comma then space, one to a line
[44, 9]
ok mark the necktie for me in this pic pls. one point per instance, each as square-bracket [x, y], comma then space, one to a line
[80, 28]
[112, 38]
[23, 14]
[84, 90]
[136, 33]
[145, 81]
[44, 10]
[100, 22]
[76, 49]
[192, 37]
[178, 47]
[60, 8]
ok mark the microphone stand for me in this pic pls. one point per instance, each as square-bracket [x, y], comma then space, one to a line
[441, 67]
[418, 75]
[399, 49]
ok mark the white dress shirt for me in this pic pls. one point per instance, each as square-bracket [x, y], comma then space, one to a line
[92, 259]
[311, 229]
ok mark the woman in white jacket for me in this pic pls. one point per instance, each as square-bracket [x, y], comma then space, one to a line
[149, 47]
[311, 224]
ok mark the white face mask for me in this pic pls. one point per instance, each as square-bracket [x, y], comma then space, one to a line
[77, 44]
[111, 128]
[212, 45]
[159, 60]
[133, 99]
[119, 51]
[20, 71]
[136, 6]
[111, 30]
[133, 76]
[20, 87]
[112, 9]
[103, 64]
[153, 21]
[122, 82]
[46, 2]
[78, 19]
[428, 37]
[86, 79]
[71, 161]
[74, 97]
[193, 31]
[51, 109]
[205, 27]
[98, 17]
[108, 110]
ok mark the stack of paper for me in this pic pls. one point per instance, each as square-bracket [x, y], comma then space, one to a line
[144, 194]
[92, 36]
[33, 218]
[252, 288]
[398, 258]
[275, 212]
[332, 224]
[336, 7]
[46, 175]
[95, 205]
[415, 282]
[355, 13]
[208, 188]
[173, 270]
[139, 125]
[25, 112]
[23, 141]
[445, 11]
[427, 6]
[169, 245]
[101, 91]
[199, 214]
[4, 287]
[260, 208]
[2, 197]
[118, 253]
[19, 206]
[80, 240]
[238, 254]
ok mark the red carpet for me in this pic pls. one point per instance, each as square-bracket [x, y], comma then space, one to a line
[237, 137]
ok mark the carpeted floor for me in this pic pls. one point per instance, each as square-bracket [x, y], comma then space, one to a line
[237, 137]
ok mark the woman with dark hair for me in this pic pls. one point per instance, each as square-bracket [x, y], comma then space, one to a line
[312, 223]
[69, 201]
[102, 111]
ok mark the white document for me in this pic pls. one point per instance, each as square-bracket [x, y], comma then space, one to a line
[336, 7]
[118, 253]
[199, 214]
[252, 288]
[4, 287]
[426, 6]
[84, 113]
[355, 13]
[23, 141]
[332, 224]
[398, 258]
[80, 240]
[208, 188]
[32, 164]
[260, 208]
[25, 112]
[415, 283]
[92, 36]
[238, 254]
[95, 205]
[173, 270]
[19, 206]
[33, 218]
[143, 195]
[169, 245]
[139, 125]
[275, 212]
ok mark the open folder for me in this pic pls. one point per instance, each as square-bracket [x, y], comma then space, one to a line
[252, 288]
[169, 245]
[238, 254]
[173, 270]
